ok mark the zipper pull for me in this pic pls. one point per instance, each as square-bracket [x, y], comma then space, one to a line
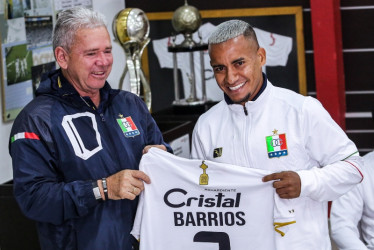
[245, 110]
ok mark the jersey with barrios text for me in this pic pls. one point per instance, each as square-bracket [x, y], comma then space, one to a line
[194, 204]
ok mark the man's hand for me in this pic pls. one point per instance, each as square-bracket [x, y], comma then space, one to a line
[287, 184]
[126, 184]
[146, 148]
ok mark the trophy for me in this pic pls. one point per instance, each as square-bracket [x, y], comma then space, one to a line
[131, 29]
[186, 20]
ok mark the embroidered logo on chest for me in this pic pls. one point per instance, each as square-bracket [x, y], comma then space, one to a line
[276, 145]
[128, 126]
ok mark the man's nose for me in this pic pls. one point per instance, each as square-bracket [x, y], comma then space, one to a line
[104, 59]
[231, 76]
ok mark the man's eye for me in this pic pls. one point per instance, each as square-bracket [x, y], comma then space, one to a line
[218, 68]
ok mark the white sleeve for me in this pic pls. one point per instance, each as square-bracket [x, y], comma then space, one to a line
[284, 214]
[338, 166]
[136, 228]
[345, 216]
[160, 47]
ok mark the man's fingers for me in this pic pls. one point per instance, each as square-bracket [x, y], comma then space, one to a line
[146, 148]
[281, 191]
[271, 177]
[142, 176]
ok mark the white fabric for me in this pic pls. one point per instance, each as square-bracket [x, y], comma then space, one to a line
[277, 48]
[246, 206]
[316, 146]
[352, 215]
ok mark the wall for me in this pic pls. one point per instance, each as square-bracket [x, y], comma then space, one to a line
[5, 163]
[358, 54]
[109, 8]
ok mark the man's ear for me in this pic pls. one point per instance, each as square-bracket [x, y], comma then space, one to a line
[262, 54]
[62, 57]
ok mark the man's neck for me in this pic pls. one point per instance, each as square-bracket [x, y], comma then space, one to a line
[94, 96]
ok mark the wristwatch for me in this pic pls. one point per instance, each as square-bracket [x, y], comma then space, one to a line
[96, 191]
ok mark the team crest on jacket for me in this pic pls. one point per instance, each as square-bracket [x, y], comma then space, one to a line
[276, 144]
[204, 178]
[128, 126]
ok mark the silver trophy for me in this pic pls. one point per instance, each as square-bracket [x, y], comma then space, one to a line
[131, 29]
[187, 20]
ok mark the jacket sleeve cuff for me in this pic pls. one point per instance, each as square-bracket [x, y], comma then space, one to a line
[307, 182]
[87, 189]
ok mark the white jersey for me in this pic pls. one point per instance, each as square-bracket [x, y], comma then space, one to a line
[277, 48]
[204, 205]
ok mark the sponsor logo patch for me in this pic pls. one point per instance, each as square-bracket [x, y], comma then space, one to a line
[217, 152]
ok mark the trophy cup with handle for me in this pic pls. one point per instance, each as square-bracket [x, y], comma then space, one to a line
[187, 20]
[131, 30]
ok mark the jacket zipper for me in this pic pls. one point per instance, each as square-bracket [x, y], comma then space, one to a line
[94, 108]
[245, 110]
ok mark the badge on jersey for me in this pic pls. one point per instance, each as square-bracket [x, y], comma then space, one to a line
[204, 178]
[276, 145]
[217, 152]
[128, 126]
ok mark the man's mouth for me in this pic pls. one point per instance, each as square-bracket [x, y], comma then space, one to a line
[237, 86]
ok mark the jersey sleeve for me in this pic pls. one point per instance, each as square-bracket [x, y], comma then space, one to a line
[136, 229]
[277, 47]
[284, 214]
[160, 47]
[337, 163]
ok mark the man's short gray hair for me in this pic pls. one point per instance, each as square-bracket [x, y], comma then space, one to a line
[69, 21]
[231, 29]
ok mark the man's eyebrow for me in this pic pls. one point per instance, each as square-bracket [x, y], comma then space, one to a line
[237, 60]
[216, 65]
[96, 49]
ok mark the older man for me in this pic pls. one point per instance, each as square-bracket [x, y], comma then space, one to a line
[76, 147]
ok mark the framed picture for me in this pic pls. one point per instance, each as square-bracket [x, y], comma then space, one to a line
[285, 65]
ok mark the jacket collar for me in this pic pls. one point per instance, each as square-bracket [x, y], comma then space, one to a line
[65, 91]
[254, 106]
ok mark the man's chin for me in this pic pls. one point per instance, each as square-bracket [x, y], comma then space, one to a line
[243, 100]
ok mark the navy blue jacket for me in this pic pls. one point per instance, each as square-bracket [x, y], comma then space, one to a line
[60, 144]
